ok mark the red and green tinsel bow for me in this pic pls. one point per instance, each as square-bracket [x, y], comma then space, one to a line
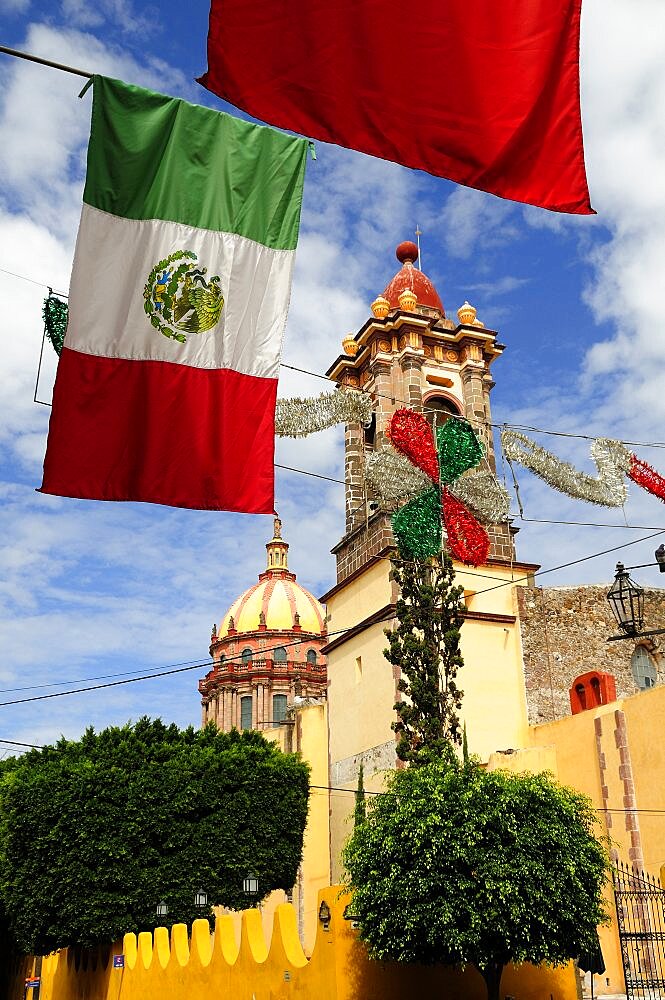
[417, 525]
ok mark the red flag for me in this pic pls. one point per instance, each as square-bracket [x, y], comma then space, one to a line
[483, 92]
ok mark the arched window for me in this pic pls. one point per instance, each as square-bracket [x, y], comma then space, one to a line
[246, 655]
[644, 670]
[278, 708]
[279, 655]
[438, 409]
[246, 712]
[311, 657]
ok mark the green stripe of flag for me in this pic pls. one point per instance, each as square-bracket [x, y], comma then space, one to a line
[156, 157]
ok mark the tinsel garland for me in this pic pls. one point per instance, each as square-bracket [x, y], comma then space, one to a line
[486, 497]
[459, 449]
[643, 475]
[391, 477]
[612, 460]
[417, 526]
[55, 313]
[467, 539]
[412, 435]
[299, 417]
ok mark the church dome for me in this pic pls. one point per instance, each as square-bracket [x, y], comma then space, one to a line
[277, 603]
[411, 278]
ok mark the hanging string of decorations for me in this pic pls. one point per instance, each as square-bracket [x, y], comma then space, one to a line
[299, 417]
[607, 489]
[55, 313]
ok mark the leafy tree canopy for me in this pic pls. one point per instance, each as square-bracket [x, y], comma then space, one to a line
[95, 833]
[459, 865]
[425, 645]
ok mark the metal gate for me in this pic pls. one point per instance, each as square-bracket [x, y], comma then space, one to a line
[640, 904]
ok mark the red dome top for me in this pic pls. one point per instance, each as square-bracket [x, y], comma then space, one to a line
[410, 277]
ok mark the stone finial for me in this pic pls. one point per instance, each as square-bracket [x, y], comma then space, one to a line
[466, 314]
[380, 307]
[407, 300]
[277, 527]
[349, 345]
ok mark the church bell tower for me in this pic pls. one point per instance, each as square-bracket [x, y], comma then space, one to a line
[409, 353]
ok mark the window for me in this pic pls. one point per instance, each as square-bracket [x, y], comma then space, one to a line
[643, 668]
[311, 657]
[278, 708]
[246, 655]
[279, 655]
[441, 408]
[246, 712]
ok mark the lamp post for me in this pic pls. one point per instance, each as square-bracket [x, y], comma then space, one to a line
[250, 887]
[201, 899]
[626, 598]
[162, 910]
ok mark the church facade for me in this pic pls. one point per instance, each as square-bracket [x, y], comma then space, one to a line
[542, 688]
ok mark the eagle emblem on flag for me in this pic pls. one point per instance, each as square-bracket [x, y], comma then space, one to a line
[179, 299]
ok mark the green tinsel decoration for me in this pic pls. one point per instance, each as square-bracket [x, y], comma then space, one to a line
[417, 526]
[55, 313]
[459, 449]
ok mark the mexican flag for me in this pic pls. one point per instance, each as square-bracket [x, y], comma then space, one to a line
[166, 383]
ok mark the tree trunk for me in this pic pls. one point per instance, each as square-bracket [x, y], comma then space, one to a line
[492, 975]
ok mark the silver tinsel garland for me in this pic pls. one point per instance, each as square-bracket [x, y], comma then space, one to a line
[391, 477]
[484, 495]
[612, 460]
[299, 417]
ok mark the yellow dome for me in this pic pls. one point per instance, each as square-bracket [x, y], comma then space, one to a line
[279, 599]
[276, 602]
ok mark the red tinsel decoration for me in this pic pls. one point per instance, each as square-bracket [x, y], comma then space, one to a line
[646, 477]
[467, 539]
[412, 435]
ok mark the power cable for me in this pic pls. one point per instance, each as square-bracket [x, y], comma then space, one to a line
[297, 642]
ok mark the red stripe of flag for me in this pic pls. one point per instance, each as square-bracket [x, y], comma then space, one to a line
[162, 433]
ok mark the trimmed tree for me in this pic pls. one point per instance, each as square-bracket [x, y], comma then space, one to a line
[425, 645]
[95, 833]
[458, 865]
[359, 810]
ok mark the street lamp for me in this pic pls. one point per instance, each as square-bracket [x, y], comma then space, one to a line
[162, 910]
[201, 899]
[626, 598]
[250, 886]
[660, 557]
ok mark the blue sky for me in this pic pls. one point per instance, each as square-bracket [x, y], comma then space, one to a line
[89, 589]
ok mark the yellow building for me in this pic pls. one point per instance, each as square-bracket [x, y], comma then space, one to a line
[411, 353]
[516, 697]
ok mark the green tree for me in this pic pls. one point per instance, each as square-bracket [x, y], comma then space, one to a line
[425, 645]
[95, 833]
[458, 865]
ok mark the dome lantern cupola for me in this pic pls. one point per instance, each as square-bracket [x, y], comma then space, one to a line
[278, 550]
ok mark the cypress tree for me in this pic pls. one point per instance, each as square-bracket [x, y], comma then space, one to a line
[359, 810]
[425, 645]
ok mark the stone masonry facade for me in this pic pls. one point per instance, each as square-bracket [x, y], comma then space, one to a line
[564, 635]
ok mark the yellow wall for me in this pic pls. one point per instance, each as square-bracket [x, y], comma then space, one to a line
[214, 966]
[360, 703]
[589, 759]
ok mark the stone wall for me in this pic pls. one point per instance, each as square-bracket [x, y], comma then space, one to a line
[564, 634]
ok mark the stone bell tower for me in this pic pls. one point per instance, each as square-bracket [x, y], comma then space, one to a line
[409, 353]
